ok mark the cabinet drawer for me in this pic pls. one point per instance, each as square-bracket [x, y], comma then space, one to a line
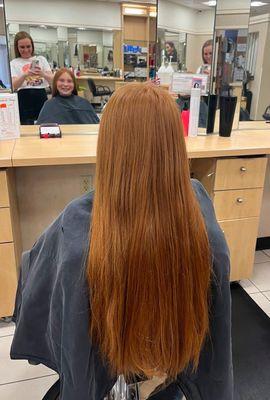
[240, 173]
[241, 236]
[4, 199]
[232, 204]
[5, 226]
[8, 279]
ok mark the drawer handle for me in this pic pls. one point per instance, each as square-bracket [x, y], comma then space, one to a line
[243, 169]
[240, 200]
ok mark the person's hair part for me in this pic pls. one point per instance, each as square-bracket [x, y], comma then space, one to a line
[19, 36]
[57, 75]
[206, 44]
[149, 259]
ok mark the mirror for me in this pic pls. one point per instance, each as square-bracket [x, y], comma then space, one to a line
[256, 97]
[231, 30]
[5, 82]
[185, 34]
[105, 43]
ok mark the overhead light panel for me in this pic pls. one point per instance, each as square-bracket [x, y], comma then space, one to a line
[210, 3]
[134, 11]
[257, 4]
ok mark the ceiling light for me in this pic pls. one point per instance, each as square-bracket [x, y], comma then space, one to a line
[134, 11]
[210, 3]
[257, 4]
[81, 28]
[1, 5]
[43, 26]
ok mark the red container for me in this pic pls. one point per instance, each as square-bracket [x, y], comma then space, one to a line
[185, 121]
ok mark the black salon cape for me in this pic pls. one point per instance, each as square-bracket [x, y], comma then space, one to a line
[67, 110]
[52, 311]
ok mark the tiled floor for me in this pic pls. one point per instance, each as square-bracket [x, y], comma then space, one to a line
[21, 381]
[258, 286]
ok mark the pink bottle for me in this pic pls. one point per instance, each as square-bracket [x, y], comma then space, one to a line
[185, 121]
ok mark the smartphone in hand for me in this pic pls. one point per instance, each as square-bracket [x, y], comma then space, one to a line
[34, 64]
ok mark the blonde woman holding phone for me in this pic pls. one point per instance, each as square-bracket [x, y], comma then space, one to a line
[31, 75]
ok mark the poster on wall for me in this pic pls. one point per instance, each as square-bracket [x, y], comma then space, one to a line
[9, 116]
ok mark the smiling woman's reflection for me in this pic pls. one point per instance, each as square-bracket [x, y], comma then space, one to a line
[31, 75]
[66, 107]
[207, 50]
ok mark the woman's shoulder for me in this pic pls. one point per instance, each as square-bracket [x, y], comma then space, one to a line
[68, 233]
[78, 209]
[16, 60]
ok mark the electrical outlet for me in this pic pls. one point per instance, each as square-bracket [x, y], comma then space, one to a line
[86, 183]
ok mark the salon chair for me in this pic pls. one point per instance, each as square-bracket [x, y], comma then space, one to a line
[123, 391]
[120, 391]
[100, 94]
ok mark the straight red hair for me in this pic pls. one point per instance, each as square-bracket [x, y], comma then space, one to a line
[149, 258]
[58, 75]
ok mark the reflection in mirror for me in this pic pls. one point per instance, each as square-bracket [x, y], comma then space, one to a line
[104, 43]
[257, 78]
[230, 50]
[185, 34]
[187, 26]
[5, 83]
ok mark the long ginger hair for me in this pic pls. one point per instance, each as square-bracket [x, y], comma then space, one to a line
[58, 75]
[149, 258]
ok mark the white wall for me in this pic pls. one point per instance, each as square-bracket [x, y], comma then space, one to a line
[84, 13]
[233, 6]
[176, 17]
[260, 86]
[89, 37]
[108, 39]
[194, 51]
[44, 35]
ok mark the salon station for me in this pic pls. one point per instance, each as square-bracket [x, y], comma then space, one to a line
[108, 44]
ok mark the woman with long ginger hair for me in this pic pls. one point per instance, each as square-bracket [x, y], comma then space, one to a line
[148, 294]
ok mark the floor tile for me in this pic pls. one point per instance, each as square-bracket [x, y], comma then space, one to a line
[261, 276]
[15, 370]
[267, 252]
[33, 389]
[262, 302]
[267, 294]
[248, 286]
[6, 328]
[261, 257]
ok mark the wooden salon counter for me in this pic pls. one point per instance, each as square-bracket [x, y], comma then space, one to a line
[39, 177]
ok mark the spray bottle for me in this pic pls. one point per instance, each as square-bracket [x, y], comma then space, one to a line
[162, 74]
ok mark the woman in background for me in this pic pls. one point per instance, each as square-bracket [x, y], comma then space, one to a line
[66, 107]
[147, 292]
[170, 51]
[31, 76]
[207, 52]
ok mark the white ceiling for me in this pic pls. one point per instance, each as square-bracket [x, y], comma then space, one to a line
[260, 10]
[194, 4]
